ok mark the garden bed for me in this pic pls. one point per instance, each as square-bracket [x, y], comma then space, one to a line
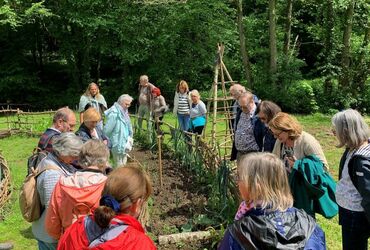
[178, 206]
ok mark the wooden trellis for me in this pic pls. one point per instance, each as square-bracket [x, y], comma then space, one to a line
[219, 109]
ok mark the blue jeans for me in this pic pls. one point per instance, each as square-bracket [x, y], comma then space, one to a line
[183, 121]
[46, 246]
[355, 229]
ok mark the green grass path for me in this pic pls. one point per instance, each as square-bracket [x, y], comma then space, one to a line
[18, 148]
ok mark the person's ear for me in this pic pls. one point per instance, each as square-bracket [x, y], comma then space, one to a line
[59, 123]
[135, 208]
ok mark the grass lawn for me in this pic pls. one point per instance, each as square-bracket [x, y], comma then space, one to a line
[16, 150]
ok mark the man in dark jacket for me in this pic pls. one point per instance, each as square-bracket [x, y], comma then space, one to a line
[249, 130]
[64, 120]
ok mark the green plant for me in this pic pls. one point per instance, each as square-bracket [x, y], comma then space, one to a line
[301, 98]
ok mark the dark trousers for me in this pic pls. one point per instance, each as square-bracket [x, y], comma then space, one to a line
[198, 130]
[355, 229]
[157, 124]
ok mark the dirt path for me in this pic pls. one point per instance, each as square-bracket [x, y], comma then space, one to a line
[175, 203]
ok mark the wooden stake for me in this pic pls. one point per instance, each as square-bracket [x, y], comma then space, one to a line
[159, 141]
[184, 237]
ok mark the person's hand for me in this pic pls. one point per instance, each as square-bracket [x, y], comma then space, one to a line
[105, 142]
[291, 160]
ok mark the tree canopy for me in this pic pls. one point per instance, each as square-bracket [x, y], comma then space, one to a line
[304, 55]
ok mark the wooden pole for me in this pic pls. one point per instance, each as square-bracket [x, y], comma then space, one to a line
[184, 237]
[226, 71]
[215, 80]
[159, 140]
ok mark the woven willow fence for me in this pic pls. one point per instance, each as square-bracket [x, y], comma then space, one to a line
[15, 121]
[5, 182]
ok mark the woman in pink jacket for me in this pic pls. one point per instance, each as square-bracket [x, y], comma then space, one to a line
[77, 195]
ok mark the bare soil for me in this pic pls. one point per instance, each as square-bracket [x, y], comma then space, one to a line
[178, 200]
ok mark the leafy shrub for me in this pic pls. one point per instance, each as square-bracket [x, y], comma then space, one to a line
[301, 98]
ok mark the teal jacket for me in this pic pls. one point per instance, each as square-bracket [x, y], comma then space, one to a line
[117, 128]
[312, 187]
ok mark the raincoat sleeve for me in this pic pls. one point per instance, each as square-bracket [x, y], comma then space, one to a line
[53, 225]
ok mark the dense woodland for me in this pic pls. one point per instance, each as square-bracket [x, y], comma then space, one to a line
[306, 55]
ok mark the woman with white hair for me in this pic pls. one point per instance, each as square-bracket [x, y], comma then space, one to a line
[77, 195]
[119, 129]
[66, 149]
[197, 113]
[353, 187]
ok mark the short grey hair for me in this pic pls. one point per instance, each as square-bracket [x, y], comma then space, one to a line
[63, 114]
[194, 92]
[94, 153]
[144, 78]
[67, 144]
[248, 95]
[350, 128]
[124, 97]
[237, 89]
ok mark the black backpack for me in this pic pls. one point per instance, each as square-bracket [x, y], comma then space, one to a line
[37, 155]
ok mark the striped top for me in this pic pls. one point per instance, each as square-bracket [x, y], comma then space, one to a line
[183, 104]
[346, 194]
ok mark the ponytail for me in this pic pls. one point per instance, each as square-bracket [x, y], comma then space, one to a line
[109, 207]
[123, 187]
[103, 215]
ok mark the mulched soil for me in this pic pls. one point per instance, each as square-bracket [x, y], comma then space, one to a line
[177, 201]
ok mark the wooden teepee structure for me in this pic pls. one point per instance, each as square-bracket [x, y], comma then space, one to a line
[219, 109]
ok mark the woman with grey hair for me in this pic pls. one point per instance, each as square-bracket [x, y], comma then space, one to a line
[119, 129]
[353, 188]
[198, 112]
[75, 196]
[66, 149]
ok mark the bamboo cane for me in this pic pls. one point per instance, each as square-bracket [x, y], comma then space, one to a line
[159, 139]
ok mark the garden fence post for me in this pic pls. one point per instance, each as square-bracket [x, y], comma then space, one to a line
[159, 140]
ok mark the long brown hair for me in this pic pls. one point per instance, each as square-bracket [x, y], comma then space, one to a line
[126, 185]
[87, 91]
[182, 83]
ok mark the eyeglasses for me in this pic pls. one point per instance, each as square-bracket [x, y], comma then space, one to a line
[69, 124]
[277, 134]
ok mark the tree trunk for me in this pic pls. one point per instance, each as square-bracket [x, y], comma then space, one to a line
[98, 66]
[363, 66]
[272, 33]
[243, 44]
[328, 47]
[345, 78]
[288, 27]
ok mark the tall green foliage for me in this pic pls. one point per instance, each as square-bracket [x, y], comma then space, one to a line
[63, 45]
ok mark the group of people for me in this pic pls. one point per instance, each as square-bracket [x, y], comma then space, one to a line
[266, 141]
[86, 205]
[188, 107]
